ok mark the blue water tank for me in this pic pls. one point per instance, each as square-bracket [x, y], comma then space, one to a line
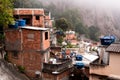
[21, 22]
[79, 57]
[107, 40]
[79, 65]
[16, 25]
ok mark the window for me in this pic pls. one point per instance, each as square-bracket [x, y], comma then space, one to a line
[46, 35]
[28, 20]
[30, 37]
[16, 16]
[15, 54]
[37, 18]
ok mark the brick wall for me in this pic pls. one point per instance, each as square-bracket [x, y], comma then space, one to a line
[32, 61]
[39, 41]
[38, 12]
[64, 75]
[25, 17]
[39, 23]
[28, 40]
[23, 13]
[61, 76]
[46, 43]
[14, 60]
[31, 39]
[13, 39]
[29, 55]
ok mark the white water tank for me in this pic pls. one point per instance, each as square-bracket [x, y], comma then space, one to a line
[54, 61]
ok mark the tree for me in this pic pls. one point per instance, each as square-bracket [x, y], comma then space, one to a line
[62, 23]
[6, 12]
[94, 33]
[60, 40]
[80, 28]
[27, 4]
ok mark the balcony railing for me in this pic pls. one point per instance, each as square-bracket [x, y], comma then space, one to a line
[59, 66]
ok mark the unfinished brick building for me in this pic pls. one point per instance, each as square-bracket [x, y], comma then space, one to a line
[34, 16]
[28, 47]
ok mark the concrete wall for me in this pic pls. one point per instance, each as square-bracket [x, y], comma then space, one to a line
[9, 72]
[110, 70]
[115, 63]
[100, 70]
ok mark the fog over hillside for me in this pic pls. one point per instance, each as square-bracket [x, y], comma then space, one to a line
[104, 14]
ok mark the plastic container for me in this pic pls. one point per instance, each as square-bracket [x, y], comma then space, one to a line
[79, 65]
[21, 22]
[79, 57]
[107, 40]
[16, 25]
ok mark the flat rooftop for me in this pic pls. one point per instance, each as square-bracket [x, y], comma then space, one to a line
[34, 28]
[28, 9]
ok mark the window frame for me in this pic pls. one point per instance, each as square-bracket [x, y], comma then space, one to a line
[30, 36]
[37, 17]
[46, 35]
[15, 54]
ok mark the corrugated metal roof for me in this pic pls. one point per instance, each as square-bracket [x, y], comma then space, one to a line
[34, 28]
[114, 48]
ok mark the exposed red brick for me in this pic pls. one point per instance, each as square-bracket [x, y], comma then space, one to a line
[29, 55]
[56, 77]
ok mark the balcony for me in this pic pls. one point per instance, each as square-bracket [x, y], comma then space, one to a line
[58, 67]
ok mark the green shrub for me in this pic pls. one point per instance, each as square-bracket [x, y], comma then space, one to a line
[6, 57]
[69, 45]
[21, 69]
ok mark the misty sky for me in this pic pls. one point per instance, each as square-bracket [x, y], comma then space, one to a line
[101, 3]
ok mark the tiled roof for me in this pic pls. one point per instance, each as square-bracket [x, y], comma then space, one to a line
[114, 48]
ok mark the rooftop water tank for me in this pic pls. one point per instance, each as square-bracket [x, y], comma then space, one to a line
[16, 25]
[107, 40]
[79, 65]
[79, 57]
[21, 22]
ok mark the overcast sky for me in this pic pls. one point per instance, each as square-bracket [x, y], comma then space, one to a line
[113, 4]
[101, 3]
